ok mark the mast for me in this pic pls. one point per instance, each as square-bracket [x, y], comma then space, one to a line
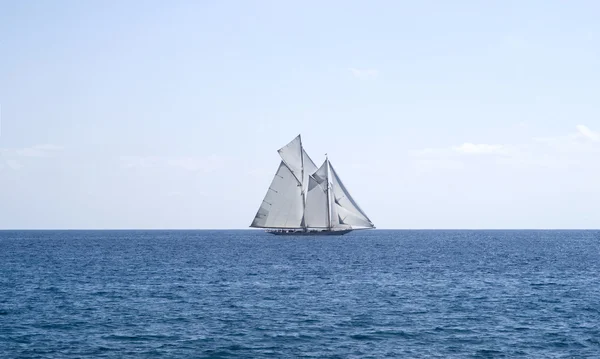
[303, 223]
[327, 195]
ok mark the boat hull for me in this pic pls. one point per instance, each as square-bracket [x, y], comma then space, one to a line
[310, 233]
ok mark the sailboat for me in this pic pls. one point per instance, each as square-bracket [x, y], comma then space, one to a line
[304, 199]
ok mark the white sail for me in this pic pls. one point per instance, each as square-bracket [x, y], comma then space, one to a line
[304, 196]
[329, 203]
[301, 166]
[315, 214]
[309, 169]
[322, 174]
[282, 206]
[299, 162]
[291, 154]
[345, 218]
[345, 210]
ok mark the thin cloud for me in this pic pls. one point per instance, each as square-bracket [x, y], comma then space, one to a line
[43, 150]
[579, 148]
[466, 148]
[583, 133]
[15, 158]
[587, 133]
[480, 149]
[206, 164]
[424, 165]
[14, 164]
[583, 142]
[364, 74]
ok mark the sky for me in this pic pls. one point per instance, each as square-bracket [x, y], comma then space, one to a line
[168, 114]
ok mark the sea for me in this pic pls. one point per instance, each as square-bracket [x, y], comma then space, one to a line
[249, 294]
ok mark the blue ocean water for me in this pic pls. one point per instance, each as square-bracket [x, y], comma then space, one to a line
[247, 294]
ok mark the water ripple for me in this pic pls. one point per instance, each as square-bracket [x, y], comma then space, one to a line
[245, 294]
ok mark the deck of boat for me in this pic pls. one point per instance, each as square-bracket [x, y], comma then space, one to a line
[309, 232]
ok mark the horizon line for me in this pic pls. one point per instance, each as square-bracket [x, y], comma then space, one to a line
[258, 229]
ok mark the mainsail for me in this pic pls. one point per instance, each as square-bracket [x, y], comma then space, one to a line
[302, 196]
[282, 206]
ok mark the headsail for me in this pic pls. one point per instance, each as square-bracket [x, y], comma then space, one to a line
[345, 210]
[329, 204]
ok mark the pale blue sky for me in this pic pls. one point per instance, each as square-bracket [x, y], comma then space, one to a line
[436, 114]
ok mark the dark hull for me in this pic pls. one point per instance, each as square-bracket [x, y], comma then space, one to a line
[310, 233]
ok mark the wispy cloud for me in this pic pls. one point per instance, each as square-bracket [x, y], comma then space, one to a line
[13, 164]
[575, 148]
[454, 157]
[583, 135]
[424, 165]
[364, 74]
[466, 148]
[13, 158]
[581, 143]
[480, 149]
[206, 164]
[587, 133]
[45, 150]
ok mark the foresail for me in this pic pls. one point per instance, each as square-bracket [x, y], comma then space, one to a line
[321, 175]
[346, 218]
[317, 203]
[315, 214]
[282, 206]
[345, 210]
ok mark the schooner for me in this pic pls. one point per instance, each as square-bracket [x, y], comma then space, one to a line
[306, 199]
